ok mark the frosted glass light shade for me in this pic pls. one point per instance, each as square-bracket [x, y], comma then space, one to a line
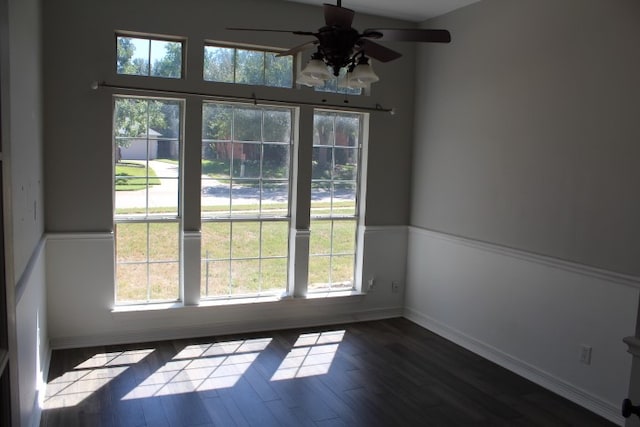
[363, 74]
[316, 69]
[308, 81]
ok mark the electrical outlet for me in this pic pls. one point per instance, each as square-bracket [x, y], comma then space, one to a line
[585, 355]
[395, 287]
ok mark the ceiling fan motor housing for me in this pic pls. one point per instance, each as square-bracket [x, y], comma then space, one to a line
[337, 46]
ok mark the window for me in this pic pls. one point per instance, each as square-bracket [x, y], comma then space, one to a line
[149, 57]
[246, 157]
[246, 167]
[246, 66]
[147, 134]
[334, 210]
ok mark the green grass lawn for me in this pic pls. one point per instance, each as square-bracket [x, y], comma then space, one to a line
[238, 257]
[242, 257]
[132, 176]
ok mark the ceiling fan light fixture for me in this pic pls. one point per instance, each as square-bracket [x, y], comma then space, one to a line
[316, 69]
[308, 81]
[363, 73]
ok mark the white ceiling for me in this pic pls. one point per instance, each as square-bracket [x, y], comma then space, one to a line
[408, 10]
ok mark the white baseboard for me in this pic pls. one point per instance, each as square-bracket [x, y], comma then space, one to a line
[519, 367]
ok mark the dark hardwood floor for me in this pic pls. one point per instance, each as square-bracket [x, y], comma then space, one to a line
[381, 373]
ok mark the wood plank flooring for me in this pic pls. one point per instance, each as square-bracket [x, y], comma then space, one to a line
[382, 373]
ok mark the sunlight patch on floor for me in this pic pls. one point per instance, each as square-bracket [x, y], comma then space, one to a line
[201, 367]
[312, 354]
[89, 376]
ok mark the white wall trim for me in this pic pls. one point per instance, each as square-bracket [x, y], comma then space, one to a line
[542, 378]
[106, 235]
[370, 229]
[225, 328]
[574, 267]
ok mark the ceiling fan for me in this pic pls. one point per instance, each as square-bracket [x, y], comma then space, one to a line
[340, 46]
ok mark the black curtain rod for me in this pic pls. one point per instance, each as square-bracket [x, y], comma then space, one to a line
[377, 108]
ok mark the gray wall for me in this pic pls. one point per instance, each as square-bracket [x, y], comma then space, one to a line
[24, 201]
[79, 47]
[527, 129]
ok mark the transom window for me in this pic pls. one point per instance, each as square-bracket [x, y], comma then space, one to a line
[247, 66]
[246, 158]
[145, 56]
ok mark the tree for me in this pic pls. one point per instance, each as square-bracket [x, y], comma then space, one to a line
[125, 64]
[170, 65]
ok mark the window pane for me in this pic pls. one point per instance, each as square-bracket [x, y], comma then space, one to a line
[275, 198]
[276, 161]
[164, 241]
[322, 165]
[323, 129]
[216, 121]
[215, 240]
[216, 279]
[245, 198]
[278, 71]
[163, 279]
[347, 129]
[219, 64]
[166, 59]
[131, 283]
[249, 67]
[275, 237]
[320, 238]
[277, 126]
[319, 272]
[321, 198]
[246, 160]
[274, 275]
[247, 124]
[342, 272]
[344, 237]
[163, 197]
[245, 277]
[346, 160]
[132, 56]
[216, 197]
[344, 198]
[216, 159]
[245, 240]
[131, 242]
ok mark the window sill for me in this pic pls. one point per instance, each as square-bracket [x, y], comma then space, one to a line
[312, 296]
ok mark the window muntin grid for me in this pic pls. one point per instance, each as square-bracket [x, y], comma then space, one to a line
[245, 211]
[149, 56]
[228, 64]
[244, 258]
[334, 207]
[147, 210]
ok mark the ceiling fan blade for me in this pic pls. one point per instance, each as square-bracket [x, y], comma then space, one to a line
[408, 35]
[299, 33]
[298, 48]
[377, 51]
[338, 16]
